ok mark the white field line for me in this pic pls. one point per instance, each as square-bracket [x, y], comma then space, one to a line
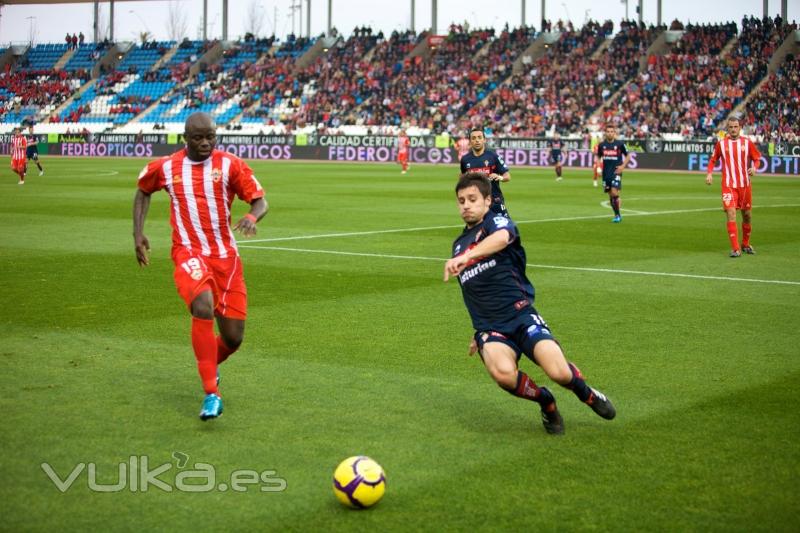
[607, 205]
[533, 221]
[553, 267]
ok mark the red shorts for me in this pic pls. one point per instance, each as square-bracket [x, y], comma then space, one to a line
[402, 157]
[737, 197]
[193, 272]
[18, 165]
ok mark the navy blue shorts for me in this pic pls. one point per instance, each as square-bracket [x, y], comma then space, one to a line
[521, 336]
[32, 153]
[614, 182]
[555, 158]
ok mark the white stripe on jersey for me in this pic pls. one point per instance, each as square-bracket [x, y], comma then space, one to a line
[745, 154]
[167, 168]
[191, 205]
[211, 201]
[730, 180]
[226, 169]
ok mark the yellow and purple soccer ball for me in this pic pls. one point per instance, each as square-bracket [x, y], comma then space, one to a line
[359, 482]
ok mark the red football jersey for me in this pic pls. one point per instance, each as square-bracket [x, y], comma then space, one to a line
[202, 193]
[18, 145]
[403, 143]
[736, 155]
[462, 145]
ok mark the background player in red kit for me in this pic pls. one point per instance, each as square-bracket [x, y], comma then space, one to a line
[462, 146]
[403, 144]
[19, 161]
[201, 183]
[739, 157]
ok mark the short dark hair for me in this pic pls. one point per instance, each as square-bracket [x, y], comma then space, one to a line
[474, 179]
[610, 125]
[477, 128]
[735, 117]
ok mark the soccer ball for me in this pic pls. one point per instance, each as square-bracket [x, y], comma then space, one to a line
[359, 482]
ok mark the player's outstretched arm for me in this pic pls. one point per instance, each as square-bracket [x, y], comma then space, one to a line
[247, 224]
[141, 204]
[488, 246]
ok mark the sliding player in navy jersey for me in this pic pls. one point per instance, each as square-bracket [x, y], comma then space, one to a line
[555, 154]
[489, 261]
[614, 157]
[486, 162]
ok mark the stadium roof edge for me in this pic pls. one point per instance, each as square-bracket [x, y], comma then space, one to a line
[31, 2]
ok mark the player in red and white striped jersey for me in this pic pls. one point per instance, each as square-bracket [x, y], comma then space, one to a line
[403, 146]
[19, 162]
[462, 146]
[739, 156]
[201, 183]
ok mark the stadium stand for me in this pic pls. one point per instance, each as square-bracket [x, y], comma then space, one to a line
[222, 89]
[336, 82]
[774, 112]
[34, 94]
[693, 88]
[85, 56]
[42, 56]
[563, 86]
[516, 81]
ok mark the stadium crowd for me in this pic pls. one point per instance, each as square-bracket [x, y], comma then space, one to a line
[448, 83]
[700, 81]
[774, 112]
[561, 89]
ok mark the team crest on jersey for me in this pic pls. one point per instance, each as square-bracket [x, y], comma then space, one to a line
[216, 175]
[500, 222]
[176, 178]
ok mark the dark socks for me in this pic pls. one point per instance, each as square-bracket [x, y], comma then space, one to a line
[615, 204]
[526, 388]
[577, 385]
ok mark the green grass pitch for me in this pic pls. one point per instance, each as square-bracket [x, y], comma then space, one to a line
[354, 345]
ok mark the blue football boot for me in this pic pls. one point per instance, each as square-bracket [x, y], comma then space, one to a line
[212, 407]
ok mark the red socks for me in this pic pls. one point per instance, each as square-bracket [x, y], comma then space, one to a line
[734, 236]
[746, 229]
[205, 351]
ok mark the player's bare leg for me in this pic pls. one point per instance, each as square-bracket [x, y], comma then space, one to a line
[558, 171]
[733, 236]
[548, 355]
[205, 351]
[231, 334]
[501, 363]
[746, 229]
